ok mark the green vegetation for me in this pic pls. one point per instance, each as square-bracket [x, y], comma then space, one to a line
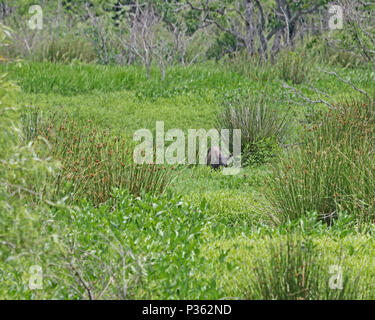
[318, 176]
[295, 271]
[230, 212]
[80, 220]
[262, 129]
[92, 162]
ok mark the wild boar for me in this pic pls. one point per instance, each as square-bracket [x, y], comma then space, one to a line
[216, 159]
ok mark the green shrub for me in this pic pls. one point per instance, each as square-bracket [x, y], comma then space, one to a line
[225, 43]
[332, 170]
[23, 195]
[262, 151]
[320, 50]
[160, 239]
[22, 172]
[262, 127]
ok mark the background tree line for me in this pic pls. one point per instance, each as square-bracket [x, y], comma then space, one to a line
[156, 32]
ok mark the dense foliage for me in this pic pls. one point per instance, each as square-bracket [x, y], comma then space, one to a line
[80, 220]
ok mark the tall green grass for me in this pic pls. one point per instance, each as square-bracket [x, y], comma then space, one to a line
[164, 240]
[64, 50]
[332, 170]
[77, 78]
[250, 67]
[93, 162]
[295, 270]
[294, 66]
[262, 126]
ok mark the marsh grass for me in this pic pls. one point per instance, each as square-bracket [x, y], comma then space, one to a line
[64, 50]
[293, 66]
[262, 127]
[93, 162]
[79, 78]
[174, 237]
[295, 270]
[332, 170]
[250, 67]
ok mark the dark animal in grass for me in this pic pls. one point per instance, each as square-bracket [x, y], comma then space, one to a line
[216, 159]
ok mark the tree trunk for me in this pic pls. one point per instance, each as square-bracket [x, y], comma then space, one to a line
[276, 46]
[250, 31]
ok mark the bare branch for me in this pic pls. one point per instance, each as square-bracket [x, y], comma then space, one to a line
[349, 83]
[307, 99]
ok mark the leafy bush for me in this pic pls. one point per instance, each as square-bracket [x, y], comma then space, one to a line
[262, 128]
[261, 151]
[225, 43]
[160, 239]
[320, 174]
[317, 49]
[22, 172]
[295, 270]
[23, 183]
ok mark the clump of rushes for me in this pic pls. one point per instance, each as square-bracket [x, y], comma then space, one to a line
[332, 170]
[262, 127]
[295, 270]
[94, 162]
[294, 66]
